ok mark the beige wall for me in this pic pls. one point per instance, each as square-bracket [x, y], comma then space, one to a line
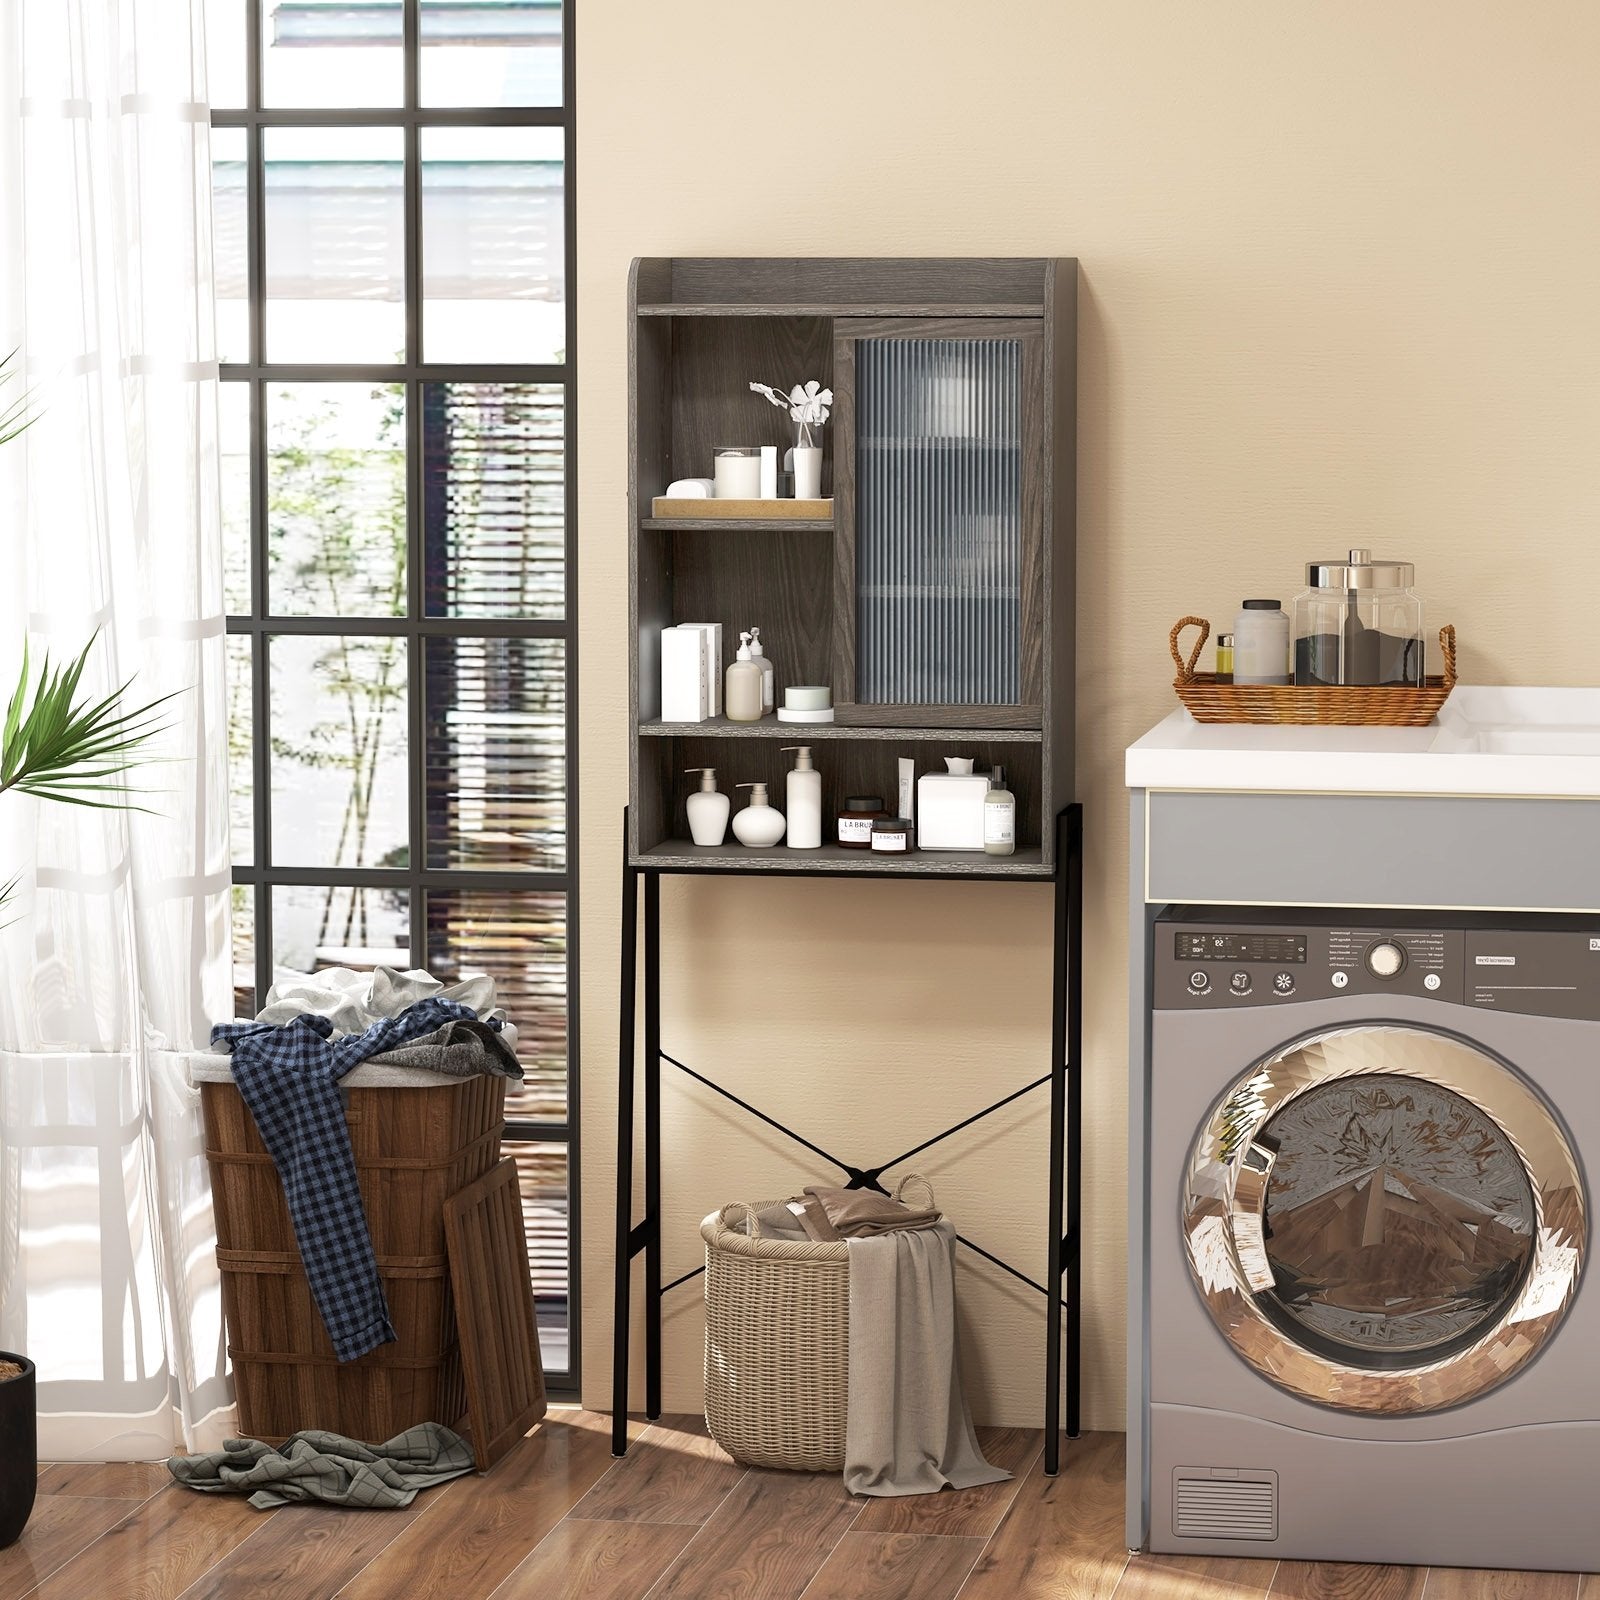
[1340, 265]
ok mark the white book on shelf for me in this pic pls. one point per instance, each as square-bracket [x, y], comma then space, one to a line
[713, 664]
[684, 680]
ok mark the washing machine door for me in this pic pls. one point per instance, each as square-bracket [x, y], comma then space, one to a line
[1384, 1219]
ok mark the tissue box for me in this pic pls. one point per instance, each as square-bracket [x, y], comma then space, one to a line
[950, 810]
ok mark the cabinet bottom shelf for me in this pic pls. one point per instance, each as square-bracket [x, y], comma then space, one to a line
[681, 855]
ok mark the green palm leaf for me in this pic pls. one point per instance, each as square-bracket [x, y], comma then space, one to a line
[78, 751]
[19, 413]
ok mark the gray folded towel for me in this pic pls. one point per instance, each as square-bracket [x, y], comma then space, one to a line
[861, 1213]
[907, 1429]
[330, 1468]
[462, 1048]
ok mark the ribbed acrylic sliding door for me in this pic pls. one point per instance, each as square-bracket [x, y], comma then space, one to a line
[940, 562]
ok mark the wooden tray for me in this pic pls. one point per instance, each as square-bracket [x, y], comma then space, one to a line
[741, 510]
[1374, 705]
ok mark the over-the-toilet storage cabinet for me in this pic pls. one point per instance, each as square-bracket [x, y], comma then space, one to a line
[937, 599]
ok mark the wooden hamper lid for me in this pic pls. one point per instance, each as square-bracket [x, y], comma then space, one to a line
[495, 1318]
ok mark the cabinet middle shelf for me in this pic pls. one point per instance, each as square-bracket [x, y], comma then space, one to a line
[815, 732]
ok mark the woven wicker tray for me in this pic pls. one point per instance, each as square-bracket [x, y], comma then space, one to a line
[1375, 705]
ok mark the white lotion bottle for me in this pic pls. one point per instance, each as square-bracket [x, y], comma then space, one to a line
[1261, 643]
[741, 700]
[758, 826]
[999, 817]
[803, 792]
[708, 809]
[769, 673]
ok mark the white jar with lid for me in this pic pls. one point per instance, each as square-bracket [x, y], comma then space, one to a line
[1261, 643]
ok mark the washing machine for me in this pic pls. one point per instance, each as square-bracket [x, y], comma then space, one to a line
[1369, 1336]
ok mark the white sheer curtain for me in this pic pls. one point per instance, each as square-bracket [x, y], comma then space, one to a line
[115, 959]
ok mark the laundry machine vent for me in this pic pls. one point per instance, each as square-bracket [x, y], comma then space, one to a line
[1224, 1503]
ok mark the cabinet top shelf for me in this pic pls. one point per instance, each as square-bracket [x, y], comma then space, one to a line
[737, 524]
[811, 732]
[746, 308]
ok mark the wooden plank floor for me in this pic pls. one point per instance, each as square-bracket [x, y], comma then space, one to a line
[558, 1519]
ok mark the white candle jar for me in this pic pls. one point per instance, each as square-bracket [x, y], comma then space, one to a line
[736, 471]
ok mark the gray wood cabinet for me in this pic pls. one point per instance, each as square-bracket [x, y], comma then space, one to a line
[937, 600]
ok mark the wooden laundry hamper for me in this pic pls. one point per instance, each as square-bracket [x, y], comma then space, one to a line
[415, 1147]
[777, 1370]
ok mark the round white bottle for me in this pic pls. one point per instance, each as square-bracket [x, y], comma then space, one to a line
[1261, 643]
[759, 826]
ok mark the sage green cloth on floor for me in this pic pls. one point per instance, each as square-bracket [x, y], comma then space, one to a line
[330, 1468]
[907, 1427]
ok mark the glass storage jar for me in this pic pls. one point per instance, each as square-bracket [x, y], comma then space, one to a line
[1358, 621]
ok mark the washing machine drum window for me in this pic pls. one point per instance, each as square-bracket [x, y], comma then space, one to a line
[1384, 1219]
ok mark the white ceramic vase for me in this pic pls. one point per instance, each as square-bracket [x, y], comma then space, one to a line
[808, 472]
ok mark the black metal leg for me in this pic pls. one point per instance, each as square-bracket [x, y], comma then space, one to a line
[1074, 1238]
[652, 1145]
[622, 1328]
[1058, 1104]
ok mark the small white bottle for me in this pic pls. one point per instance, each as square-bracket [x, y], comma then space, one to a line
[708, 809]
[741, 700]
[999, 816]
[769, 673]
[1261, 643]
[804, 796]
[759, 826]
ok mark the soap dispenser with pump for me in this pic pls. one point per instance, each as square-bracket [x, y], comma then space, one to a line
[759, 825]
[804, 795]
[708, 809]
[999, 816]
[742, 700]
[769, 673]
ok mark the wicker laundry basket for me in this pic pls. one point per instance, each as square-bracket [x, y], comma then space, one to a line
[778, 1341]
[418, 1138]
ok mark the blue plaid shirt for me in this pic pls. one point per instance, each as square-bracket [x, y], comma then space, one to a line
[289, 1078]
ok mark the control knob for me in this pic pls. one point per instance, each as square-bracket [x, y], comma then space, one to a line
[1385, 959]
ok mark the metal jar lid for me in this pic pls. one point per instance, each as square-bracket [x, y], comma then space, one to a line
[863, 802]
[892, 825]
[1360, 571]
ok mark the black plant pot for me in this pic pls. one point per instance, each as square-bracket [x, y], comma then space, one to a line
[19, 1449]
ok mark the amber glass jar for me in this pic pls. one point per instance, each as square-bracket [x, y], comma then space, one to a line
[855, 821]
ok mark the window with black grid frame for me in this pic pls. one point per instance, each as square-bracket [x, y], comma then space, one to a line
[392, 186]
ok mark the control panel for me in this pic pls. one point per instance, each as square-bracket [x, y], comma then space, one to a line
[1200, 966]
[1534, 970]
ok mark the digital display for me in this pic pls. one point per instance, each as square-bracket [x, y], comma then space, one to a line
[1282, 949]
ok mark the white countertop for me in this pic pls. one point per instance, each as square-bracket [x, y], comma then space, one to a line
[1487, 741]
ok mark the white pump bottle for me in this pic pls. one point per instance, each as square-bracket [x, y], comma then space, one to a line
[708, 809]
[803, 791]
[741, 700]
[769, 673]
[759, 825]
